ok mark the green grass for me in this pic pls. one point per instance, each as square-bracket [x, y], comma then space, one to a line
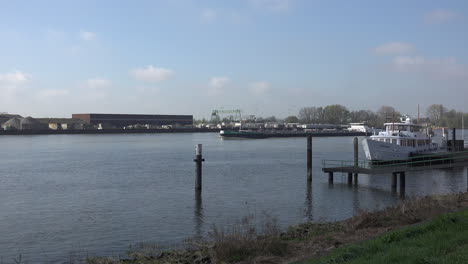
[442, 240]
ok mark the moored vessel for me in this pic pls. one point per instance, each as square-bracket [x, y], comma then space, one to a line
[399, 141]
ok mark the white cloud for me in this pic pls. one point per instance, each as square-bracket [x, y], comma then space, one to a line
[443, 68]
[393, 48]
[440, 16]
[272, 5]
[97, 83]
[218, 82]
[238, 18]
[48, 93]
[11, 86]
[209, 15]
[152, 74]
[259, 88]
[217, 85]
[13, 78]
[87, 35]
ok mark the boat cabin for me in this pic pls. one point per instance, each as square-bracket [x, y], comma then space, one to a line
[403, 134]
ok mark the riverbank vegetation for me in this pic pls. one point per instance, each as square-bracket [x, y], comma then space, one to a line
[442, 240]
[416, 226]
[435, 114]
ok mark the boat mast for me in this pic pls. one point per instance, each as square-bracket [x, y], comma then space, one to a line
[418, 113]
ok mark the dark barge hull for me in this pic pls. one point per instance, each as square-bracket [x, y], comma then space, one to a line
[258, 135]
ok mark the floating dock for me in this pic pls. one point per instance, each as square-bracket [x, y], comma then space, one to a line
[443, 160]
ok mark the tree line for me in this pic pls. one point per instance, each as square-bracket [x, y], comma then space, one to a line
[339, 114]
[436, 114]
[440, 116]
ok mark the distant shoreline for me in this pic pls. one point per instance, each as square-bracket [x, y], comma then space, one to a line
[105, 131]
[159, 131]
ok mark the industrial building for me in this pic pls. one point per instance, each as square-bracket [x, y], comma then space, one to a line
[26, 123]
[124, 120]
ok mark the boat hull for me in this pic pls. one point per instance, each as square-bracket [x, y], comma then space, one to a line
[256, 134]
[383, 151]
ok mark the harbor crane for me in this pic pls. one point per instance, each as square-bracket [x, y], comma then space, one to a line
[234, 114]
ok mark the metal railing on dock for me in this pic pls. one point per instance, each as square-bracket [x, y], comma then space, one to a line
[421, 160]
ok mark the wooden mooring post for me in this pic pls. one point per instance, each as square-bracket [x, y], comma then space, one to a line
[198, 167]
[454, 140]
[394, 181]
[402, 182]
[309, 158]
[356, 158]
[330, 177]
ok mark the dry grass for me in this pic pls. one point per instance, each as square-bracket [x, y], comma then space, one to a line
[244, 242]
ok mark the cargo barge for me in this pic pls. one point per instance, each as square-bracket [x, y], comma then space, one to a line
[282, 134]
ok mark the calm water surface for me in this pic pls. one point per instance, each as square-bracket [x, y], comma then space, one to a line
[63, 196]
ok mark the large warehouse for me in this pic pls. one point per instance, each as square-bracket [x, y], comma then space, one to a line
[122, 120]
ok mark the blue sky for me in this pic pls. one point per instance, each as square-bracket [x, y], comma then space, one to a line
[266, 57]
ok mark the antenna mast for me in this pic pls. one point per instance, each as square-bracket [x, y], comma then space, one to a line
[418, 113]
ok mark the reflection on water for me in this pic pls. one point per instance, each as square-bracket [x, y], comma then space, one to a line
[198, 215]
[98, 194]
[308, 202]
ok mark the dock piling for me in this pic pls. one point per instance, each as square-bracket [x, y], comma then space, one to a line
[402, 182]
[356, 152]
[309, 158]
[454, 140]
[330, 177]
[356, 158]
[350, 178]
[198, 167]
[394, 181]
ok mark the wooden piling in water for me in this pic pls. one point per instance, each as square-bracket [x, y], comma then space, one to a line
[402, 181]
[198, 167]
[356, 157]
[330, 177]
[453, 140]
[350, 178]
[394, 181]
[309, 158]
[356, 152]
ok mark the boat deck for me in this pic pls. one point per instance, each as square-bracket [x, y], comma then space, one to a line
[422, 162]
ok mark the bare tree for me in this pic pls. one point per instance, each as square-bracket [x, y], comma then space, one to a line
[435, 112]
[307, 114]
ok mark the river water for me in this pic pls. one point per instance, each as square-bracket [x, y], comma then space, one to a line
[68, 196]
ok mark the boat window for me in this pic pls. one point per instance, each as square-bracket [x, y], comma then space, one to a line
[394, 141]
[414, 129]
[403, 142]
[387, 140]
[428, 142]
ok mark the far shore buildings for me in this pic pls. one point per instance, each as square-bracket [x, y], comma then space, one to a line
[108, 121]
[16, 122]
[95, 121]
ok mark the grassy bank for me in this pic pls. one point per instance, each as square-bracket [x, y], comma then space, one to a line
[442, 240]
[424, 230]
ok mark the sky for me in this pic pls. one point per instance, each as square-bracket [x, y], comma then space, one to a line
[265, 57]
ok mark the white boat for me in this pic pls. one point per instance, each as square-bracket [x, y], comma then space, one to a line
[398, 141]
[359, 127]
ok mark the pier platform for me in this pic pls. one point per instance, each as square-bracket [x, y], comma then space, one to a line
[444, 160]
